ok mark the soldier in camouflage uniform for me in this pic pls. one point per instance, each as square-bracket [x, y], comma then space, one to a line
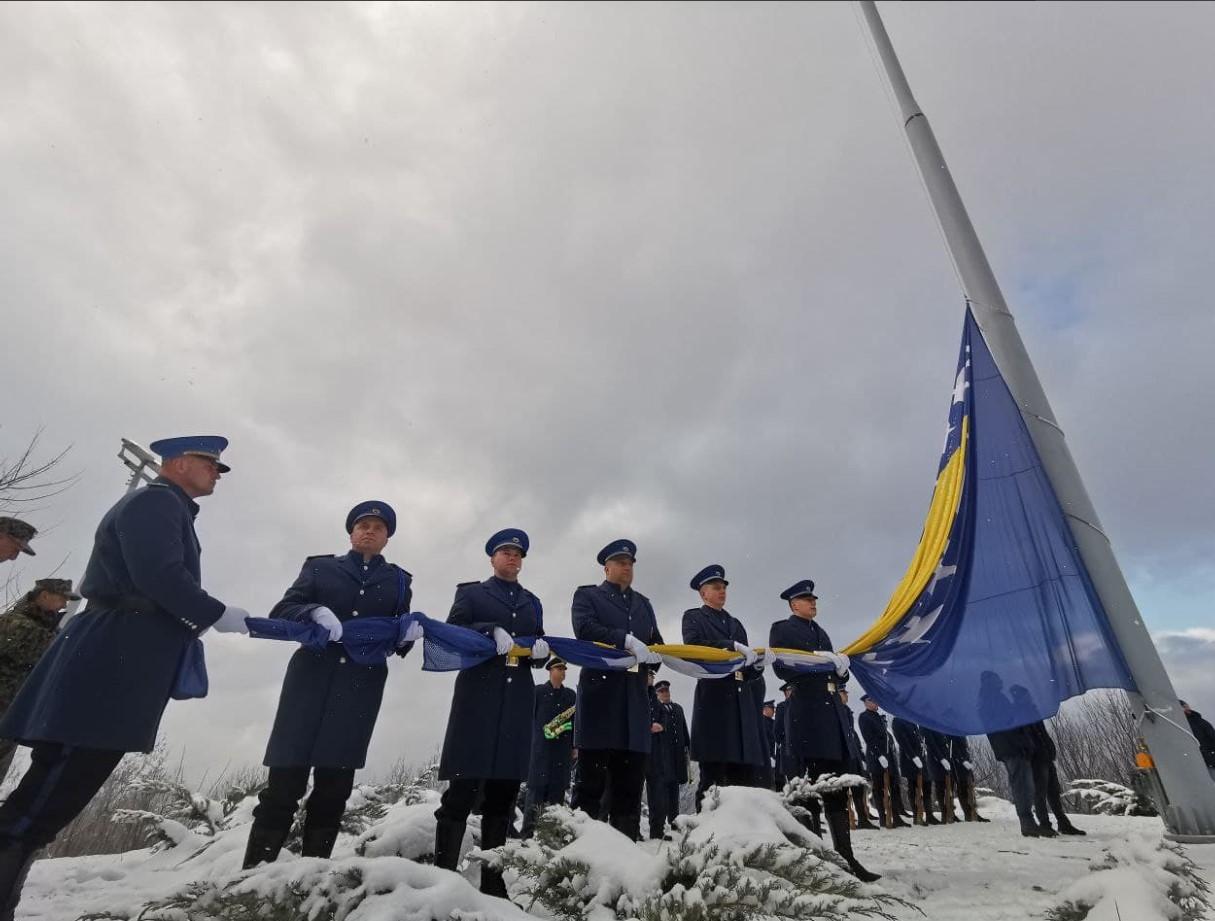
[26, 630]
[15, 537]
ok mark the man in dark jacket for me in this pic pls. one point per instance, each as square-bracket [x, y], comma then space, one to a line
[964, 778]
[26, 630]
[84, 705]
[1013, 747]
[329, 703]
[817, 722]
[612, 725]
[856, 765]
[668, 760]
[548, 777]
[487, 746]
[881, 759]
[767, 776]
[937, 746]
[1204, 733]
[725, 711]
[911, 762]
[1048, 792]
[781, 748]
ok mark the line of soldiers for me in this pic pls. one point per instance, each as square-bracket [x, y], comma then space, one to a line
[102, 686]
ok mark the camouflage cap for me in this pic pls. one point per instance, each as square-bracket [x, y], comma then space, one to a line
[56, 587]
[20, 531]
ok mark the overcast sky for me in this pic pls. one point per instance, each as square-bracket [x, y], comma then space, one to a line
[657, 271]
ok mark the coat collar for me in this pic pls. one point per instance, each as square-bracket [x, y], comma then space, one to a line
[180, 493]
[623, 597]
[500, 589]
[352, 564]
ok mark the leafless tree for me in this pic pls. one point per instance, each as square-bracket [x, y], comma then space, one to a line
[27, 482]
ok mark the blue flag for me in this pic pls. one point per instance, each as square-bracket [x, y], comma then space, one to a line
[996, 621]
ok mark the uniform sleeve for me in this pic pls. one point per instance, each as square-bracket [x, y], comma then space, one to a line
[149, 533]
[694, 633]
[587, 625]
[22, 643]
[463, 612]
[300, 600]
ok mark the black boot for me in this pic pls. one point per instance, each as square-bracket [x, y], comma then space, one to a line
[15, 860]
[264, 844]
[318, 842]
[863, 820]
[628, 825]
[1045, 831]
[842, 839]
[493, 834]
[449, 837]
[1067, 828]
[1029, 828]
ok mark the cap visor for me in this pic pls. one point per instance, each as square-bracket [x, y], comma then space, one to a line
[25, 548]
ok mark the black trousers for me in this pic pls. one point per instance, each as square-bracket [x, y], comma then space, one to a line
[723, 774]
[497, 799]
[1048, 791]
[58, 785]
[814, 769]
[539, 796]
[278, 802]
[618, 773]
[662, 798]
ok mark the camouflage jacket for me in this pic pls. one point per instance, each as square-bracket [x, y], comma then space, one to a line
[25, 633]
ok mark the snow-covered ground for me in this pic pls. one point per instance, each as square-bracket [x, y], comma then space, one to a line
[959, 872]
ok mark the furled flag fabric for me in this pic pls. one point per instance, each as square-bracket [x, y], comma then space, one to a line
[995, 622]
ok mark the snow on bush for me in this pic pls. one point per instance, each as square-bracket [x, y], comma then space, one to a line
[1104, 797]
[1138, 881]
[744, 858]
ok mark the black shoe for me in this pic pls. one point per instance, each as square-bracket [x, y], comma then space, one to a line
[841, 838]
[264, 844]
[1045, 831]
[449, 837]
[865, 824]
[318, 842]
[1067, 828]
[15, 860]
[493, 834]
[931, 819]
[1029, 829]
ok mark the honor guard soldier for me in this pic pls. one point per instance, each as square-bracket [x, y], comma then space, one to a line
[103, 685]
[548, 777]
[26, 631]
[612, 723]
[881, 759]
[725, 712]
[668, 767]
[940, 769]
[964, 777]
[329, 703]
[487, 747]
[784, 768]
[856, 765]
[15, 537]
[817, 722]
[767, 777]
[911, 762]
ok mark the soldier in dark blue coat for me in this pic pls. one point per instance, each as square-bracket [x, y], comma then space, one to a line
[487, 747]
[817, 724]
[102, 686]
[726, 737]
[911, 762]
[940, 767]
[552, 752]
[856, 765]
[612, 725]
[964, 778]
[881, 761]
[329, 704]
[668, 766]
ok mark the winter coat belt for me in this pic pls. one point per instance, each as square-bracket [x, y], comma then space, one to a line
[127, 604]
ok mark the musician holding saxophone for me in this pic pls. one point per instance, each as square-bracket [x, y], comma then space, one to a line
[548, 776]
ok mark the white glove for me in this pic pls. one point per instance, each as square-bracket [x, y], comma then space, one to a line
[968, 765]
[327, 619]
[413, 633]
[640, 651]
[539, 649]
[883, 762]
[839, 660]
[749, 654]
[945, 764]
[232, 621]
[918, 763]
[503, 640]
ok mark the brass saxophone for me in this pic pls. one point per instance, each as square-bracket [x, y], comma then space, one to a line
[562, 722]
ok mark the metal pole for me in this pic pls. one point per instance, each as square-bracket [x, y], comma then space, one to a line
[1189, 812]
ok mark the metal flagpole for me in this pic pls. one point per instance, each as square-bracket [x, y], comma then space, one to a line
[1189, 810]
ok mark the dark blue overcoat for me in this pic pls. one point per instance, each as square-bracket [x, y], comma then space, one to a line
[725, 711]
[817, 723]
[329, 704]
[550, 758]
[613, 706]
[489, 729]
[669, 756]
[936, 746]
[878, 742]
[911, 745]
[106, 679]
